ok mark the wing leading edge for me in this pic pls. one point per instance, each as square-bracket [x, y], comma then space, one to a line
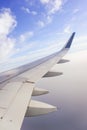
[18, 97]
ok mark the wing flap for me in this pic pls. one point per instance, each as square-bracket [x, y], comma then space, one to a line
[16, 112]
[7, 95]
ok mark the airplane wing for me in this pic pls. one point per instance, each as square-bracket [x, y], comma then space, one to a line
[17, 86]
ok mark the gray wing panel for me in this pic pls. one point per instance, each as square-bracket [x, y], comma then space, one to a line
[14, 115]
[7, 95]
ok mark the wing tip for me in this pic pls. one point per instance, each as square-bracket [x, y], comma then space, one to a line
[70, 40]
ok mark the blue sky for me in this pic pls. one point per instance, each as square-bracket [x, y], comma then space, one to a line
[30, 29]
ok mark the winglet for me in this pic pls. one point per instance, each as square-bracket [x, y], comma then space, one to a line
[70, 41]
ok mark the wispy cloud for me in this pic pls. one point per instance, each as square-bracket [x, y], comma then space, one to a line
[41, 23]
[27, 10]
[75, 11]
[52, 6]
[49, 8]
[47, 19]
[7, 24]
[25, 36]
[67, 29]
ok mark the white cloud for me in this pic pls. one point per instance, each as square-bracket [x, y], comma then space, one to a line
[52, 6]
[7, 24]
[25, 36]
[75, 11]
[6, 47]
[27, 10]
[34, 12]
[44, 1]
[7, 21]
[67, 29]
[41, 23]
[47, 19]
